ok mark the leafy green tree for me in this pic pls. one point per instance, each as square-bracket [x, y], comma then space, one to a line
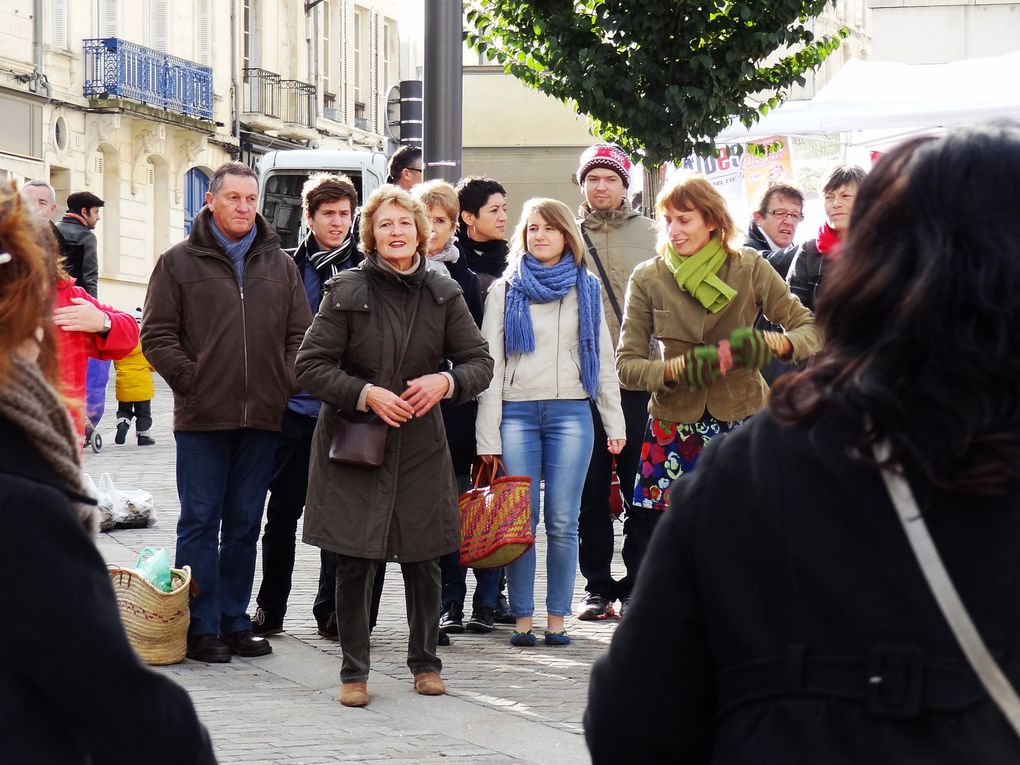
[661, 78]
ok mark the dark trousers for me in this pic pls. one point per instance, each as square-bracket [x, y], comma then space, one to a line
[325, 598]
[595, 524]
[140, 410]
[487, 580]
[354, 582]
[287, 490]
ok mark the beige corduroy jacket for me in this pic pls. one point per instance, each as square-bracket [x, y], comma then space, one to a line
[657, 309]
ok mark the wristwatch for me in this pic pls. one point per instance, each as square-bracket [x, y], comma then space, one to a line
[107, 324]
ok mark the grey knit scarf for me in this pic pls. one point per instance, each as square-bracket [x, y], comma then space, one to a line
[32, 405]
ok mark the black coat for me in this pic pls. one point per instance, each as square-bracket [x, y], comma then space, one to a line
[72, 689]
[806, 270]
[772, 594]
[459, 419]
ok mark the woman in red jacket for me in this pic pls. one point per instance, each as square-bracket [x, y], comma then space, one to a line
[86, 329]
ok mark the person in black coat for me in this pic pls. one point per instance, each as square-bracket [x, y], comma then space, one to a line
[67, 671]
[444, 255]
[801, 628]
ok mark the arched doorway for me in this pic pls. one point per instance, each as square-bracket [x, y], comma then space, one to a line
[196, 183]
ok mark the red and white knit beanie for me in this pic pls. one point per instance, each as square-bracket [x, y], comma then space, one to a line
[606, 155]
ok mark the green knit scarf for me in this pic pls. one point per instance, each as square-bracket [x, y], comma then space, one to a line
[696, 274]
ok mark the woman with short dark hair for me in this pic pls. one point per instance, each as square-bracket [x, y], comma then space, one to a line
[800, 628]
[810, 260]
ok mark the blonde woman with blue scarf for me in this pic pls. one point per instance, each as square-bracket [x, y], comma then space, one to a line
[695, 303]
[553, 353]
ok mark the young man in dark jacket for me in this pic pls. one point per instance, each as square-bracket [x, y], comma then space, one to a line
[78, 244]
[225, 313]
[330, 203]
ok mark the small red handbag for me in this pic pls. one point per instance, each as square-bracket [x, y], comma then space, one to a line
[615, 493]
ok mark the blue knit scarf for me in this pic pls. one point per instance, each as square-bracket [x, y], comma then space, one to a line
[234, 250]
[531, 282]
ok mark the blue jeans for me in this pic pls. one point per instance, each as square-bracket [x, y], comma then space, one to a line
[550, 440]
[222, 480]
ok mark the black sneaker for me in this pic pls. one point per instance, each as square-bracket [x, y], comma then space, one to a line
[122, 430]
[451, 620]
[482, 620]
[623, 606]
[503, 615]
[146, 441]
[261, 624]
[443, 639]
[595, 607]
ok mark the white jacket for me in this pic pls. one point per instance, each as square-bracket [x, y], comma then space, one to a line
[552, 372]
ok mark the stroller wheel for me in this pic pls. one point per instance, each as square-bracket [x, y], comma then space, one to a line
[96, 443]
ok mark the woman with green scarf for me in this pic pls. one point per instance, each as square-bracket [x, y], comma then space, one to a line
[687, 338]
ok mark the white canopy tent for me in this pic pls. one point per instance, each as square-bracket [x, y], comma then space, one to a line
[879, 95]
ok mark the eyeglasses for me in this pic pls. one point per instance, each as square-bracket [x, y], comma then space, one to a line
[793, 215]
[416, 169]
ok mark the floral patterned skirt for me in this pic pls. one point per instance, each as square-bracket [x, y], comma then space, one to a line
[669, 450]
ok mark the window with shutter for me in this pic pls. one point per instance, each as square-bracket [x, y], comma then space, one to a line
[376, 104]
[109, 18]
[60, 24]
[327, 48]
[159, 24]
[203, 21]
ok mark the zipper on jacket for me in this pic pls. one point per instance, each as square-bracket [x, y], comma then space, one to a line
[244, 344]
[559, 313]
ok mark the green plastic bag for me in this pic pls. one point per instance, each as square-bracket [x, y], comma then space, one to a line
[155, 568]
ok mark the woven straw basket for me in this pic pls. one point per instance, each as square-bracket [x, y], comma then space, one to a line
[156, 622]
[495, 520]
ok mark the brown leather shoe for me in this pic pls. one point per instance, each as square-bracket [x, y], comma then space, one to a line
[353, 694]
[429, 684]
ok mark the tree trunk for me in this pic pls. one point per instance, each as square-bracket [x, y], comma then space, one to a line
[651, 185]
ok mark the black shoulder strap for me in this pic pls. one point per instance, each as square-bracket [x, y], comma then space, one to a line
[603, 276]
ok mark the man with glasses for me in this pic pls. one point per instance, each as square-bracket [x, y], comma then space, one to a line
[775, 223]
[405, 168]
[771, 233]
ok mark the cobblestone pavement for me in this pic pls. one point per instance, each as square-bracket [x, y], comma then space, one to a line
[503, 705]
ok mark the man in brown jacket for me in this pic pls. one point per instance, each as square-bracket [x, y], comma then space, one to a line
[618, 238]
[225, 313]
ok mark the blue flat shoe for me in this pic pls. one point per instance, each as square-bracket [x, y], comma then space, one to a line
[523, 639]
[557, 638]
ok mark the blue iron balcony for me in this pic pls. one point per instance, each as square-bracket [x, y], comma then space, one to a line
[115, 67]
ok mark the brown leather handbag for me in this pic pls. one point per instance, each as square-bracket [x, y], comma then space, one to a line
[361, 439]
[358, 443]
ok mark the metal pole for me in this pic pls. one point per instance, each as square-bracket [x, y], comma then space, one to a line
[444, 97]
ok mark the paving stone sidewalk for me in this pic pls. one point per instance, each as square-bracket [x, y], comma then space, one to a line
[504, 704]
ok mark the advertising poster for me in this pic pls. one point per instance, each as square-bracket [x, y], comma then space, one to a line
[773, 165]
[723, 171]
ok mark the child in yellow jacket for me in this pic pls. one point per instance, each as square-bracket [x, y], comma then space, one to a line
[134, 394]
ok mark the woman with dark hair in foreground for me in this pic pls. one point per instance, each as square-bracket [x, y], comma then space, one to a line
[72, 689]
[801, 627]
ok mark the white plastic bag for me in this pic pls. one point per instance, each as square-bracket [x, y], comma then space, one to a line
[128, 508]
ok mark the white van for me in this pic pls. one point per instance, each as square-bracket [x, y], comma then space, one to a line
[283, 173]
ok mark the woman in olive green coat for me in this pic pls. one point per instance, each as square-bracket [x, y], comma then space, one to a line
[405, 510]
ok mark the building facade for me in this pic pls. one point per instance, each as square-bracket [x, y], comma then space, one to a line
[139, 100]
[941, 31]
